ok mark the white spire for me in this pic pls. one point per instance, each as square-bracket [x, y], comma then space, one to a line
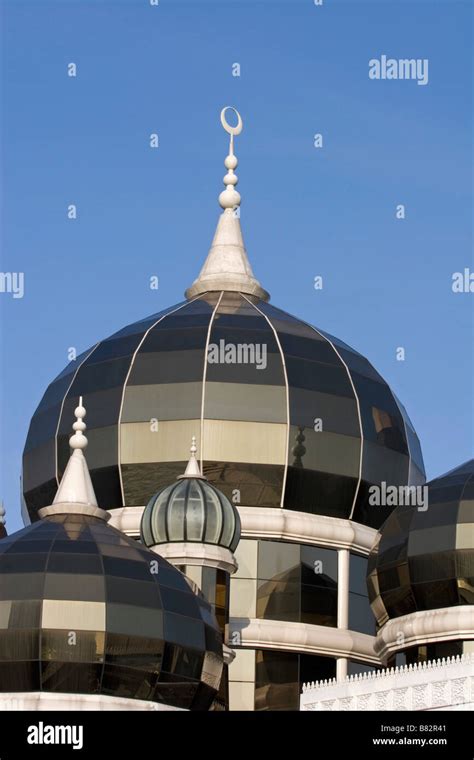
[227, 266]
[76, 485]
[192, 469]
[2, 514]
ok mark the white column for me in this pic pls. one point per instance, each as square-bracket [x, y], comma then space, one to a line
[343, 559]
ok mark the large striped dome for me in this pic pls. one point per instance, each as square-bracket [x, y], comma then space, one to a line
[285, 414]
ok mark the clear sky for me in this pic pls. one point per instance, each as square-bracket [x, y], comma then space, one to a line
[306, 211]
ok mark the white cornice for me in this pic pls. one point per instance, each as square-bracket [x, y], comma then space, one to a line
[127, 519]
[279, 525]
[254, 633]
[203, 555]
[304, 528]
[42, 700]
[425, 627]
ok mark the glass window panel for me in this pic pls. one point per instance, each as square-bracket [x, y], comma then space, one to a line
[355, 668]
[128, 682]
[183, 603]
[125, 591]
[127, 569]
[208, 583]
[430, 596]
[276, 681]
[319, 492]
[381, 464]
[41, 431]
[234, 441]
[361, 617]
[195, 513]
[278, 601]
[278, 561]
[319, 605]
[134, 620]
[95, 377]
[315, 668]
[326, 452]
[19, 644]
[115, 347]
[319, 566]
[258, 484]
[263, 368]
[140, 443]
[20, 676]
[358, 575]
[229, 521]
[184, 631]
[71, 677]
[438, 539]
[75, 547]
[156, 367]
[12, 586]
[169, 577]
[175, 513]
[245, 401]
[316, 376]
[432, 567]
[38, 465]
[166, 401]
[22, 563]
[214, 524]
[308, 347]
[134, 651]
[24, 614]
[337, 413]
[183, 661]
[75, 587]
[83, 646]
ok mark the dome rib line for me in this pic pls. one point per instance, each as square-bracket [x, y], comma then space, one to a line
[203, 502]
[204, 375]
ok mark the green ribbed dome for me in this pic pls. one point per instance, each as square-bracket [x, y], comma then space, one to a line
[190, 510]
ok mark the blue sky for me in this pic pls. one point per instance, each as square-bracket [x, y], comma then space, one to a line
[305, 211]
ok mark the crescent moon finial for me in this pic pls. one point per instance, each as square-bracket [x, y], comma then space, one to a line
[228, 128]
[230, 198]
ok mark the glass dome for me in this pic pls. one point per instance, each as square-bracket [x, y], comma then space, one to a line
[296, 419]
[190, 510]
[86, 610]
[424, 560]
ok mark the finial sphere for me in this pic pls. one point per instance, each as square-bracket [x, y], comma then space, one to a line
[231, 130]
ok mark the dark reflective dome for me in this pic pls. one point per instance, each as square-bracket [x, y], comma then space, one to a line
[424, 560]
[86, 610]
[149, 389]
[190, 510]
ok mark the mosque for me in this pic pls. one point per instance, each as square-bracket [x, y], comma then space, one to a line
[251, 571]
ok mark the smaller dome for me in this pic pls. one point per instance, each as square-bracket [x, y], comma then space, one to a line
[423, 559]
[191, 510]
